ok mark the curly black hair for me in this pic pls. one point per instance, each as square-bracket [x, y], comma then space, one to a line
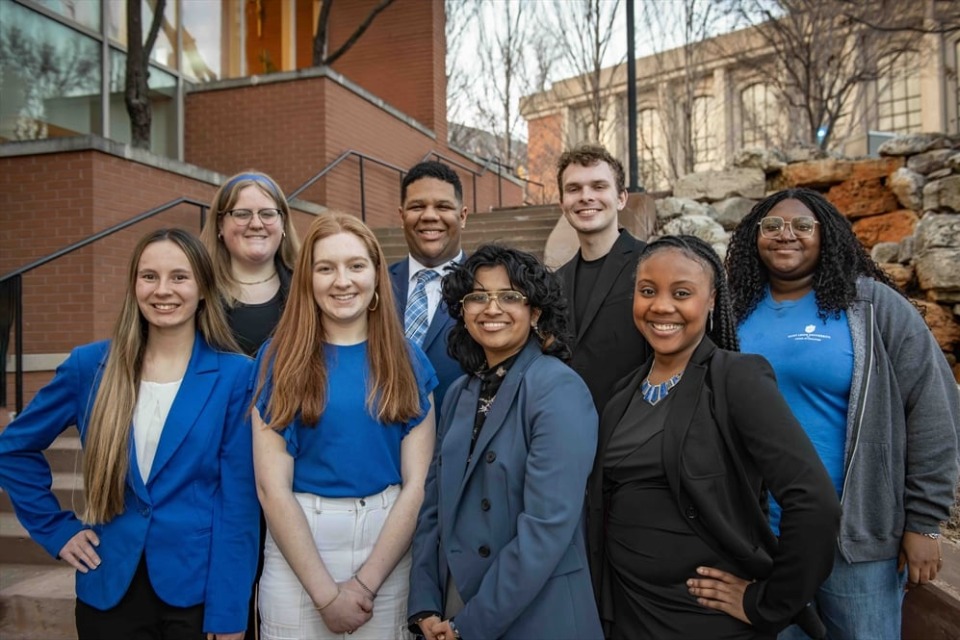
[723, 329]
[842, 258]
[527, 275]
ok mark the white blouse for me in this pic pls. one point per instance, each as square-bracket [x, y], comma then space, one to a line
[153, 406]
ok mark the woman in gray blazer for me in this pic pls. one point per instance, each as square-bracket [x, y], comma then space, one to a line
[499, 550]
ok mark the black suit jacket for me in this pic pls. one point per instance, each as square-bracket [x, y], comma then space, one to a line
[435, 341]
[607, 345]
[728, 438]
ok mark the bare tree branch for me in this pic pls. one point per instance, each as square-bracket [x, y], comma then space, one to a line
[360, 30]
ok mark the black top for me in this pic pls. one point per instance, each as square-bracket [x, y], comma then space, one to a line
[252, 324]
[490, 381]
[588, 271]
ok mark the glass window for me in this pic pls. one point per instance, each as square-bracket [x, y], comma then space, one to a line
[85, 12]
[898, 96]
[163, 90]
[759, 116]
[702, 135]
[164, 50]
[203, 27]
[50, 76]
[650, 149]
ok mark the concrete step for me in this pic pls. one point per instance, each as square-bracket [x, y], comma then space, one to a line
[67, 487]
[65, 455]
[16, 547]
[37, 602]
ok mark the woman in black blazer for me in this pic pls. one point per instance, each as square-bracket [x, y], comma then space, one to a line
[689, 445]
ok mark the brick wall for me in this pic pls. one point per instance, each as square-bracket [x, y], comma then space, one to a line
[315, 119]
[544, 146]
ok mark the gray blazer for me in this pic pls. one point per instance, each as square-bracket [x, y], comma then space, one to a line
[508, 527]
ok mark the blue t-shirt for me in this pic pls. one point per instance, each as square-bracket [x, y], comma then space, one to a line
[349, 453]
[813, 360]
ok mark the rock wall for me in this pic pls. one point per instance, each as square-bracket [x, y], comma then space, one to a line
[904, 207]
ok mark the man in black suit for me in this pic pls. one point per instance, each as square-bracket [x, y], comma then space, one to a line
[433, 216]
[599, 280]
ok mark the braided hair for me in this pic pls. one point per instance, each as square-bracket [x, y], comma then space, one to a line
[842, 258]
[723, 331]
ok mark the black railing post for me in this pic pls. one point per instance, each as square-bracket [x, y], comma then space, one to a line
[474, 193]
[363, 194]
[499, 185]
[18, 345]
[203, 216]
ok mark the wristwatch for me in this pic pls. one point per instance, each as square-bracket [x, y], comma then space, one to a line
[453, 627]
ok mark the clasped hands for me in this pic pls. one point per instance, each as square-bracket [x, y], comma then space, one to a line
[433, 628]
[349, 610]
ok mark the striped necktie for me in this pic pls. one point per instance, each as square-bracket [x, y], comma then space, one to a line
[416, 318]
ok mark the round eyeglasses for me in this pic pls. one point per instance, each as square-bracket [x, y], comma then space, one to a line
[243, 217]
[479, 300]
[774, 226]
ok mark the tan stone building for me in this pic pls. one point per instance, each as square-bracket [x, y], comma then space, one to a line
[735, 102]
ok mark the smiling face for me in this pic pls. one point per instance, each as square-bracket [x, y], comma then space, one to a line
[255, 243]
[166, 288]
[501, 331]
[590, 200]
[673, 297]
[344, 281]
[790, 261]
[432, 219]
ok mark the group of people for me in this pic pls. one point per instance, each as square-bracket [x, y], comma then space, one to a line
[285, 442]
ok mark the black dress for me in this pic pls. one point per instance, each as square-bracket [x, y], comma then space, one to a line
[650, 550]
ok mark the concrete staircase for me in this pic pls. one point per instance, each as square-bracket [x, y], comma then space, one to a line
[37, 596]
[524, 228]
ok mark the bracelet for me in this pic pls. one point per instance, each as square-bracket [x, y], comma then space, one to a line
[932, 536]
[369, 591]
[331, 601]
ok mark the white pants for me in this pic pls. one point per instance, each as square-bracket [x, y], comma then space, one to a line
[344, 531]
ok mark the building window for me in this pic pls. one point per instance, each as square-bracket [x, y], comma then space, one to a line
[956, 78]
[650, 150]
[50, 75]
[898, 96]
[759, 116]
[702, 134]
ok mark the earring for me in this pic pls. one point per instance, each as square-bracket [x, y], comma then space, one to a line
[536, 330]
[710, 321]
[376, 302]
[219, 236]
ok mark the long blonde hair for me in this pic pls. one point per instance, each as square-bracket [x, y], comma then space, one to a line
[223, 201]
[106, 458]
[299, 370]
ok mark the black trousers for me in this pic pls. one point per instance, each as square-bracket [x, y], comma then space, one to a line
[140, 615]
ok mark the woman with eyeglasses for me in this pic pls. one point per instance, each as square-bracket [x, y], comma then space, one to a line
[871, 388]
[499, 549]
[254, 245]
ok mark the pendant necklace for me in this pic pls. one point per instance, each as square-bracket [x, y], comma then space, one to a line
[654, 393]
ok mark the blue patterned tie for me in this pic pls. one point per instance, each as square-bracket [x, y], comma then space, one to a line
[416, 317]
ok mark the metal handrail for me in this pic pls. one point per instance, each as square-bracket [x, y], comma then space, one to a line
[336, 162]
[12, 283]
[476, 174]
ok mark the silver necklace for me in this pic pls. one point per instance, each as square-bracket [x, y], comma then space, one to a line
[654, 393]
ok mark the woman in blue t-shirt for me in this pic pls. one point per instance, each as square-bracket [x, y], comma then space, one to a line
[343, 436]
[866, 379]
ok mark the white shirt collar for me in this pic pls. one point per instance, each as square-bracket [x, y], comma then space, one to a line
[415, 266]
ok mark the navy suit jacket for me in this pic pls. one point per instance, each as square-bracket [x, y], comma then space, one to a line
[607, 345]
[195, 519]
[508, 527]
[435, 342]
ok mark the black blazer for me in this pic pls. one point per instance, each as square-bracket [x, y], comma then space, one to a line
[606, 345]
[729, 437]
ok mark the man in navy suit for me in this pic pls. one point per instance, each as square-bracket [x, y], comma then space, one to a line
[433, 215]
[599, 280]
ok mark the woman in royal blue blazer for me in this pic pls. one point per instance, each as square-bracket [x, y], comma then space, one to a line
[165, 545]
[499, 550]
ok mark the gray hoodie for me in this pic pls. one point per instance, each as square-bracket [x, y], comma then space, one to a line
[902, 427]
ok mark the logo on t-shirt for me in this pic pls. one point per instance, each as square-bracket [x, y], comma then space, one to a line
[808, 335]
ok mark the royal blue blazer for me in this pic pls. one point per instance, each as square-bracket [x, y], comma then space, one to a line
[196, 518]
[508, 527]
[435, 341]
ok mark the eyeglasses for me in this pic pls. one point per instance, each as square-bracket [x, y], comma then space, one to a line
[505, 299]
[243, 217]
[774, 226]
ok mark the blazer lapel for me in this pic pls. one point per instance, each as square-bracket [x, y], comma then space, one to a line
[682, 409]
[400, 278]
[569, 275]
[198, 383]
[455, 448]
[615, 263]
